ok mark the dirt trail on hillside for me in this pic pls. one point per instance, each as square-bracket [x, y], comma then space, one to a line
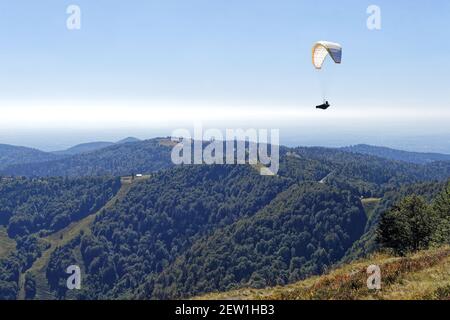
[63, 237]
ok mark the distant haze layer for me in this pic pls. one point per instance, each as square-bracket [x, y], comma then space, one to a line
[57, 125]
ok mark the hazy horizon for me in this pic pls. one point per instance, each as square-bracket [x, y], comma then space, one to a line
[50, 141]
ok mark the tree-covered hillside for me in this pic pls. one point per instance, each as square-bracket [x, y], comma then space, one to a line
[414, 223]
[393, 154]
[84, 147]
[160, 219]
[364, 174]
[372, 176]
[302, 232]
[367, 244]
[92, 146]
[117, 160]
[192, 229]
[169, 231]
[414, 256]
[46, 205]
[11, 155]
[31, 208]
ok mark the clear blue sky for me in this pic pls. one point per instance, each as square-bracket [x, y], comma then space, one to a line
[225, 52]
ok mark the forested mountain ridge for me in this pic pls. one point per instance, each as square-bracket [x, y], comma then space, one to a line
[302, 232]
[367, 244]
[161, 218]
[368, 176]
[33, 208]
[162, 239]
[84, 147]
[47, 205]
[368, 173]
[11, 155]
[400, 155]
[93, 146]
[311, 224]
[118, 160]
[413, 256]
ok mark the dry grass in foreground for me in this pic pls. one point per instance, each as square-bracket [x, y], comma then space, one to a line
[424, 275]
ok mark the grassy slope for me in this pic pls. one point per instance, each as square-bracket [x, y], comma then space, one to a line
[7, 245]
[63, 237]
[369, 205]
[425, 275]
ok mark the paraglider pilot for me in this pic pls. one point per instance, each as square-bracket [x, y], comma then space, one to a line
[324, 106]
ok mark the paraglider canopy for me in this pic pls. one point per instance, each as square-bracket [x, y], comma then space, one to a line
[322, 49]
